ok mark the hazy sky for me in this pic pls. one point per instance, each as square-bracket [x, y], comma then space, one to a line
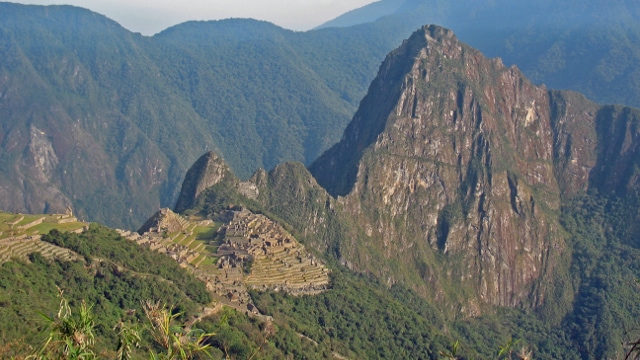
[152, 16]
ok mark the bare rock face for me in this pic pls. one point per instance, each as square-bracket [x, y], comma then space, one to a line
[207, 171]
[37, 173]
[51, 160]
[458, 184]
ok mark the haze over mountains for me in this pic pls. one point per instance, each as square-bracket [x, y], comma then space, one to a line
[135, 111]
[588, 46]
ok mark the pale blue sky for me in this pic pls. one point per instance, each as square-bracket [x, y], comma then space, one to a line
[152, 16]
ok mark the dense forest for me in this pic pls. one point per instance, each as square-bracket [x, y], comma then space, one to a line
[592, 313]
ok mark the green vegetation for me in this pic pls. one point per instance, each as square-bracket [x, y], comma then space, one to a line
[71, 336]
[576, 45]
[20, 235]
[116, 276]
[605, 266]
[100, 243]
[147, 107]
[242, 337]
[591, 307]
[150, 106]
[360, 318]
[21, 224]
[205, 233]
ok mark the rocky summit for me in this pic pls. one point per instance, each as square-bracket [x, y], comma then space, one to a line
[466, 209]
[455, 168]
[448, 169]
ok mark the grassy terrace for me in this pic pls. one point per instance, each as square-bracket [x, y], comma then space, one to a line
[202, 239]
[206, 233]
[17, 242]
[285, 263]
[8, 224]
[44, 228]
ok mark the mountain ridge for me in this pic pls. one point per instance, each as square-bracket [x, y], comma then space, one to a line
[74, 82]
[445, 173]
[510, 209]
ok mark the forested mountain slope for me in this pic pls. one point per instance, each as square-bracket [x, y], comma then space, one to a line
[107, 121]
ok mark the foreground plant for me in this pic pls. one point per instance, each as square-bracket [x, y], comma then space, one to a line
[178, 342]
[128, 339]
[70, 337]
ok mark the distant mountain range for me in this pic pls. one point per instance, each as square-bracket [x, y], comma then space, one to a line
[108, 121]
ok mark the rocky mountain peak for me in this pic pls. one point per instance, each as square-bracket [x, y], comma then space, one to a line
[207, 171]
[452, 153]
[164, 220]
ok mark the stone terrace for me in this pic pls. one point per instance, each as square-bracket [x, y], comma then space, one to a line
[277, 260]
[221, 254]
[20, 235]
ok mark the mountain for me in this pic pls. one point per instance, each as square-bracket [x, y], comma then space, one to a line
[82, 106]
[366, 14]
[452, 153]
[96, 275]
[465, 182]
[107, 121]
[49, 261]
[451, 159]
[465, 211]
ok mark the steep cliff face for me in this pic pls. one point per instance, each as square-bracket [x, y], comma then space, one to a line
[52, 161]
[68, 133]
[207, 171]
[595, 147]
[457, 184]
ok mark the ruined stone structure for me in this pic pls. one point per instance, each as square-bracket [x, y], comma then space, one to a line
[252, 250]
[278, 261]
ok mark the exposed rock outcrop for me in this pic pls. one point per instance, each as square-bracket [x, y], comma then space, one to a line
[163, 220]
[455, 154]
[207, 171]
[460, 164]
